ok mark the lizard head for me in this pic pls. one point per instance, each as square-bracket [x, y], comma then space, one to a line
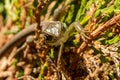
[53, 30]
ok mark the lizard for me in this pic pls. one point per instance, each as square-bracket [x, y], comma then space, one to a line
[55, 29]
[55, 33]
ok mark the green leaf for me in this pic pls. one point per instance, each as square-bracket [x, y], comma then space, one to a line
[52, 53]
[98, 12]
[113, 40]
[43, 68]
[13, 31]
[85, 20]
[111, 74]
[101, 4]
[118, 65]
[110, 34]
[20, 74]
[70, 15]
[103, 59]
[82, 10]
[108, 10]
[96, 51]
[1, 8]
[15, 62]
[35, 3]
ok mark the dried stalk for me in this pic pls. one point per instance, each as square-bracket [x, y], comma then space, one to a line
[114, 21]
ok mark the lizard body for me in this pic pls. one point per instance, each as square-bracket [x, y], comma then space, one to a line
[18, 38]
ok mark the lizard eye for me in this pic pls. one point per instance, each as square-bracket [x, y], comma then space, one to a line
[49, 38]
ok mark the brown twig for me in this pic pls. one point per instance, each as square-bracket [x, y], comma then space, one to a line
[115, 20]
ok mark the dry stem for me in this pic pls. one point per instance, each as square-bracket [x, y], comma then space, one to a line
[115, 20]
